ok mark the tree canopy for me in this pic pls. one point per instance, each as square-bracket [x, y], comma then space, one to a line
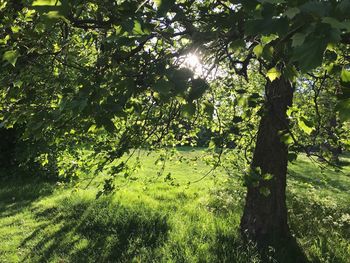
[92, 60]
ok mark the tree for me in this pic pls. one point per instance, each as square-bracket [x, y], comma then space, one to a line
[77, 67]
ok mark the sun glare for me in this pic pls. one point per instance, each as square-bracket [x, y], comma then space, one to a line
[193, 62]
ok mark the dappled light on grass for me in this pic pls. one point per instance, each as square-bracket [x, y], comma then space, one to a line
[82, 227]
[161, 222]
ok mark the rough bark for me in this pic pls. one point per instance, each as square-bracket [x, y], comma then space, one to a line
[265, 217]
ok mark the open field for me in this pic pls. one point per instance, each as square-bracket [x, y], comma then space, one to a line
[165, 219]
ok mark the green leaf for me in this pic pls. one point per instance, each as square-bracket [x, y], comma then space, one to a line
[106, 123]
[343, 107]
[199, 87]
[92, 128]
[292, 156]
[137, 28]
[309, 55]
[267, 26]
[267, 39]
[183, 74]
[268, 52]
[298, 39]
[163, 86]
[53, 15]
[305, 125]
[11, 56]
[237, 45]
[267, 176]
[242, 101]
[163, 6]
[336, 23]
[181, 78]
[18, 83]
[188, 110]
[291, 12]
[316, 8]
[258, 50]
[286, 139]
[52, 9]
[212, 144]
[344, 7]
[128, 25]
[3, 41]
[273, 74]
[209, 108]
[290, 73]
[345, 78]
[264, 191]
[46, 3]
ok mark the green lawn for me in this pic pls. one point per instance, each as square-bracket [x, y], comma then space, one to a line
[156, 220]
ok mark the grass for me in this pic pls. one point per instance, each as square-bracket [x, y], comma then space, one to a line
[156, 220]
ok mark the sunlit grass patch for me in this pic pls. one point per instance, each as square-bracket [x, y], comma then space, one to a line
[156, 221]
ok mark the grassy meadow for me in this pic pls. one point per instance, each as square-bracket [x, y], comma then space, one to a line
[162, 218]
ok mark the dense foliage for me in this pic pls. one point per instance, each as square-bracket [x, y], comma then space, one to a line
[117, 65]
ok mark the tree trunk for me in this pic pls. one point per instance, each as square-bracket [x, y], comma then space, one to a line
[265, 216]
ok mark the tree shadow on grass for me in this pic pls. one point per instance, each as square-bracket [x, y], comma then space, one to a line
[98, 231]
[320, 227]
[319, 181]
[18, 193]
